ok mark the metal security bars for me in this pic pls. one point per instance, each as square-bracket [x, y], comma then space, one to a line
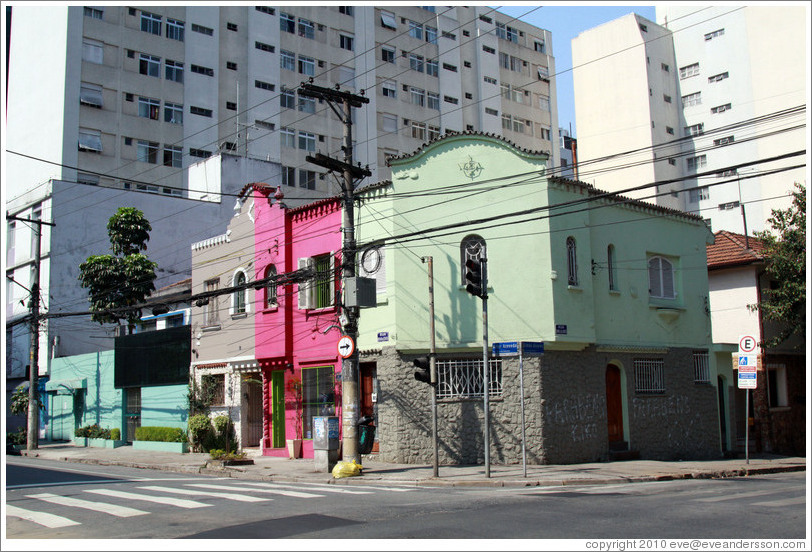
[701, 367]
[463, 378]
[648, 376]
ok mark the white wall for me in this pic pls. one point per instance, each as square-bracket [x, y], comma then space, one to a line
[731, 290]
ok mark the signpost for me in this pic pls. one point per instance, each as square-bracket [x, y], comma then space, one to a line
[747, 380]
[520, 348]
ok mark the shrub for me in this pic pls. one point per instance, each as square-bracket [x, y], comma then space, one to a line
[20, 437]
[201, 432]
[94, 431]
[219, 454]
[224, 429]
[160, 433]
[115, 434]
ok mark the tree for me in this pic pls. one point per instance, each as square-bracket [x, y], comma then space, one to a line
[117, 282]
[785, 255]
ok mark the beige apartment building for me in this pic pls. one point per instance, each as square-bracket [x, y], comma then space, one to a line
[131, 96]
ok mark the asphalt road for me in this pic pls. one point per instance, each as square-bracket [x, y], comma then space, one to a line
[57, 500]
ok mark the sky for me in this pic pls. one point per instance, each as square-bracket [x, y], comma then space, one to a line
[565, 22]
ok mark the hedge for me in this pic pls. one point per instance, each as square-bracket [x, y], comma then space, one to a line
[160, 433]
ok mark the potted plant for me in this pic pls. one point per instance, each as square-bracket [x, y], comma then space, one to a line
[294, 394]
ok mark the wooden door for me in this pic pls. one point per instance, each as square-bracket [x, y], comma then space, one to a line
[614, 404]
[369, 377]
[253, 392]
[278, 409]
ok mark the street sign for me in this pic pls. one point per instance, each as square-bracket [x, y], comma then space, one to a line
[747, 380]
[505, 348]
[346, 346]
[748, 362]
[747, 344]
[532, 348]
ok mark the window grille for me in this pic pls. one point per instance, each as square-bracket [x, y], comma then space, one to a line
[648, 376]
[238, 304]
[463, 378]
[701, 367]
[572, 262]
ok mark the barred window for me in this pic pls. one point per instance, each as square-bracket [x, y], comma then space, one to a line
[701, 367]
[648, 376]
[463, 378]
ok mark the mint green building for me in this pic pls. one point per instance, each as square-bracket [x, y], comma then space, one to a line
[616, 289]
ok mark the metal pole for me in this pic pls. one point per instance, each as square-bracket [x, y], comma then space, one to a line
[485, 367]
[33, 374]
[349, 371]
[747, 426]
[433, 368]
[521, 390]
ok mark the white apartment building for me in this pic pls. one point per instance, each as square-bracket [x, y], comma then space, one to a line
[131, 96]
[727, 90]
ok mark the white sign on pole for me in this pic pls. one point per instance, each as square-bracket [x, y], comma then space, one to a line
[748, 344]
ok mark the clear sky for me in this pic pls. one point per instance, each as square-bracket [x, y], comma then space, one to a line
[565, 22]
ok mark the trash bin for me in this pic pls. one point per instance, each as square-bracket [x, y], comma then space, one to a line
[366, 435]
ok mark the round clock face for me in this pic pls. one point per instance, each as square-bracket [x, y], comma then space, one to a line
[371, 260]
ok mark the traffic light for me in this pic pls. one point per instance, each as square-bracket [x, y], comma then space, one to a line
[423, 370]
[473, 278]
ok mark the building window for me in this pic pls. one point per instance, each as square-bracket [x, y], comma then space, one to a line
[723, 141]
[90, 140]
[307, 141]
[415, 30]
[346, 10]
[432, 67]
[149, 108]
[389, 89]
[172, 156]
[214, 387]
[287, 99]
[726, 173]
[388, 20]
[346, 42]
[699, 193]
[318, 293]
[472, 248]
[173, 113]
[307, 179]
[489, 80]
[431, 35]
[714, 34]
[665, 67]
[287, 60]
[388, 54]
[231, 106]
[307, 105]
[287, 23]
[201, 70]
[231, 65]
[149, 65]
[211, 314]
[151, 23]
[201, 153]
[264, 85]
[306, 28]
[572, 262]
[694, 163]
[289, 176]
[661, 278]
[389, 123]
[419, 131]
[463, 378]
[94, 13]
[90, 94]
[202, 111]
[643, 28]
[416, 62]
[446, 34]
[92, 51]
[689, 71]
[417, 96]
[173, 71]
[231, 26]
[695, 130]
[701, 367]
[449, 67]
[491, 111]
[692, 99]
[238, 303]
[266, 9]
[669, 130]
[433, 100]
[264, 47]
[433, 132]
[318, 396]
[307, 65]
[544, 103]
[721, 108]
[777, 385]
[202, 30]
[611, 267]
[648, 376]
[174, 29]
[288, 137]
[147, 152]
[666, 98]
[717, 78]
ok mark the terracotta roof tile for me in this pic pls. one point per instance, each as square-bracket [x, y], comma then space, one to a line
[730, 249]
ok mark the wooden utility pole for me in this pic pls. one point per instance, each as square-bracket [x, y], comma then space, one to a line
[341, 103]
[433, 367]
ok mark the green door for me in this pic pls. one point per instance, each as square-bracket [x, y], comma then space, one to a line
[278, 407]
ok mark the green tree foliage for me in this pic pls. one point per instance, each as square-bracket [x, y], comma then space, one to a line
[117, 282]
[785, 255]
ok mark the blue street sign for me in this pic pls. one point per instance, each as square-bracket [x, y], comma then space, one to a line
[533, 347]
[505, 348]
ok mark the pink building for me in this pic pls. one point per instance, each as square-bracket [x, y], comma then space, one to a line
[297, 327]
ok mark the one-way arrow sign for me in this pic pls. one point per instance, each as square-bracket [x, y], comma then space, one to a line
[346, 347]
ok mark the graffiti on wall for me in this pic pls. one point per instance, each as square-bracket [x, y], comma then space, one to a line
[578, 415]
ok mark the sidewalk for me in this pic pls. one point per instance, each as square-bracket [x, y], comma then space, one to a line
[266, 468]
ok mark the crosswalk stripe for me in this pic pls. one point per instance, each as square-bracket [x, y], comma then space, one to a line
[296, 494]
[783, 502]
[328, 489]
[392, 489]
[228, 496]
[112, 509]
[40, 518]
[179, 502]
[736, 496]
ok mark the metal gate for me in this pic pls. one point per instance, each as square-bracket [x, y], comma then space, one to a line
[253, 408]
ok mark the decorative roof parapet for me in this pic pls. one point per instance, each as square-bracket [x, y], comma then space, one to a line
[210, 242]
[473, 133]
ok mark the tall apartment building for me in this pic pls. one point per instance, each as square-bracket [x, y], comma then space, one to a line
[707, 98]
[131, 96]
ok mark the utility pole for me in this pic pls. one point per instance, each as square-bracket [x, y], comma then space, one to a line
[341, 103]
[33, 369]
[433, 366]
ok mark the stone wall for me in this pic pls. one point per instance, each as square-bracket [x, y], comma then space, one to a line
[565, 412]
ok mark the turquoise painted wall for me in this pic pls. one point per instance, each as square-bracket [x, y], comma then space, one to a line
[165, 405]
[527, 263]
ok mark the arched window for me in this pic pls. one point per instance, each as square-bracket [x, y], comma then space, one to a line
[471, 247]
[661, 278]
[572, 263]
[270, 288]
[238, 302]
[611, 265]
